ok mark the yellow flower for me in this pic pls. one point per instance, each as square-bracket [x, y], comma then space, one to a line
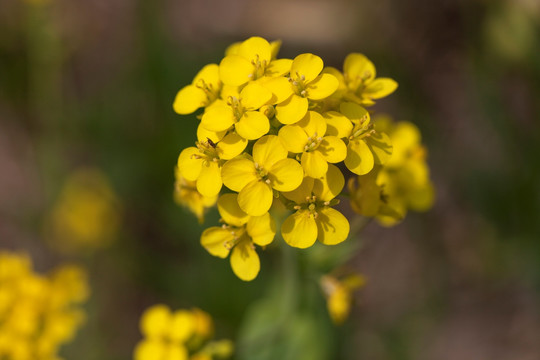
[366, 146]
[240, 232]
[305, 83]
[186, 194]
[39, 312]
[339, 295]
[403, 183]
[255, 178]
[358, 82]
[308, 138]
[314, 217]
[240, 112]
[86, 214]
[175, 336]
[202, 164]
[250, 60]
[202, 92]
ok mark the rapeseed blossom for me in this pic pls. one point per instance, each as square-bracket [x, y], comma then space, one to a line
[283, 132]
[179, 335]
[339, 294]
[388, 192]
[38, 313]
[87, 214]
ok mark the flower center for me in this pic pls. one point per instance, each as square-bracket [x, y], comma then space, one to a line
[262, 174]
[313, 142]
[207, 151]
[259, 67]
[236, 104]
[299, 85]
[208, 88]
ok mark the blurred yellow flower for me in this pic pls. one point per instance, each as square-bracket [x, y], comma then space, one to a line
[179, 335]
[38, 313]
[86, 214]
[186, 194]
[339, 295]
[403, 183]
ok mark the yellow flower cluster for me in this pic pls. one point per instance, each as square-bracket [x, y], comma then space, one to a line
[403, 183]
[339, 294]
[277, 129]
[179, 335]
[38, 313]
[86, 215]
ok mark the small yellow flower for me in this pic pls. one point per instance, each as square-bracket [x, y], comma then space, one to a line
[240, 232]
[305, 83]
[307, 137]
[366, 146]
[314, 217]
[87, 213]
[339, 295]
[255, 178]
[250, 60]
[202, 164]
[39, 313]
[240, 112]
[204, 89]
[186, 194]
[358, 83]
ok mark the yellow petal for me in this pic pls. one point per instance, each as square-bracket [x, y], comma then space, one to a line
[299, 229]
[252, 125]
[182, 326]
[231, 146]
[330, 185]
[149, 349]
[245, 262]
[261, 229]
[322, 87]
[233, 49]
[279, 86]
[302, 192]
[293, 138]
[313, 124]
[215, 240]
[286, 175]
[357, 66]
[381, 147]
[188, 165]
[380, 88]
[209, 181]
[155, 321]
[230, 210]
[278, 67]
[359, 158]
[332, 226]
[175, 351]
[314, 164]
[237, 173]
[292, 110]
[307, 65]
[218, 118]
[210, 75]
[355, 113]
[204, 134]
[338, 75]
[337, 124]
[253, 96]
[333, 149]
[189, 99]
[228, 91]
[235, 70]
[255, 49]
[275, 45]
[268, 150]
[256, 198]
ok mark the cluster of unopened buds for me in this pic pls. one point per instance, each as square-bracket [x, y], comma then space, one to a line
[282, 133]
